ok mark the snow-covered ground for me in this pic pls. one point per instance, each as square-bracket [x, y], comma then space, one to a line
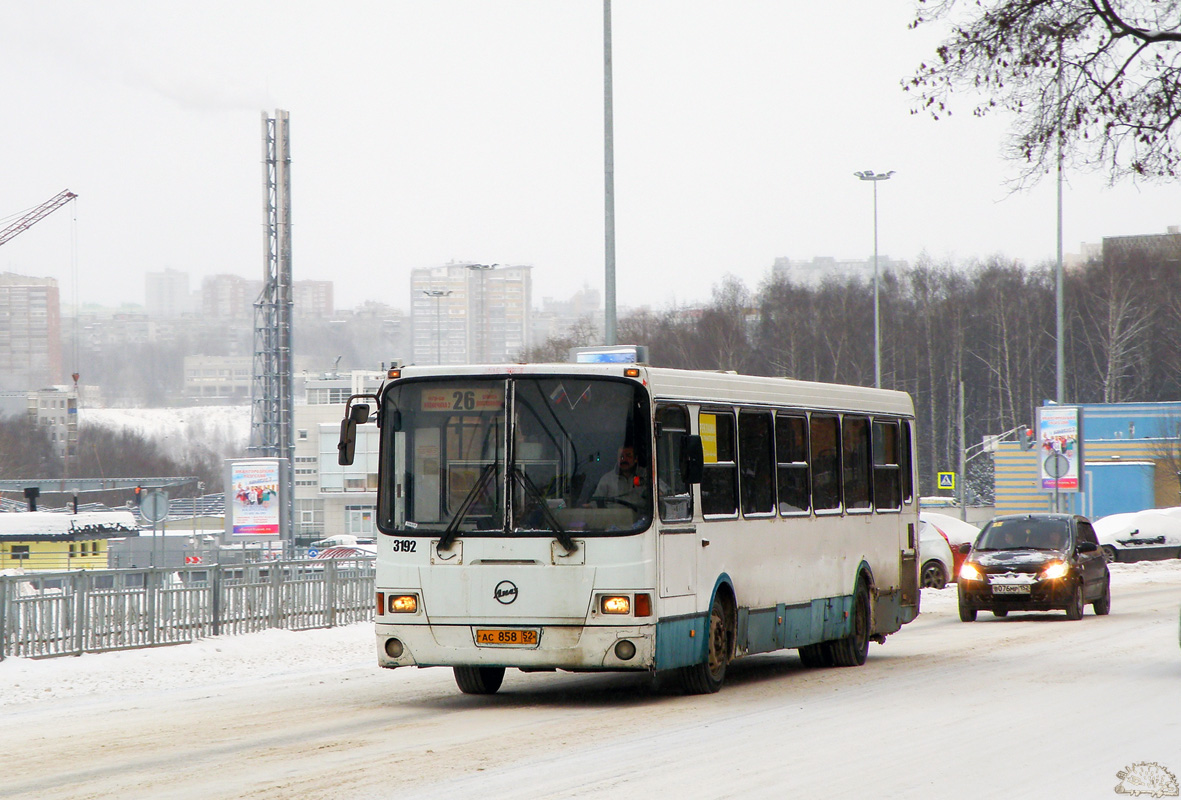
[275, 652]
[1029, 706]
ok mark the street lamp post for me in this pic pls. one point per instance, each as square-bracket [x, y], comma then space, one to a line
[438, 294]
[870, 175]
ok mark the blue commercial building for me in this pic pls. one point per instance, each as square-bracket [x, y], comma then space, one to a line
[1131, 461]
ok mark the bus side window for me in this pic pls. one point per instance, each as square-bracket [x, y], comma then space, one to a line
[756, 463]
[887, 484]
[906, 464]
[856, 463]
[719, 484]
[791, 455]
[824, 440]
[675, 498]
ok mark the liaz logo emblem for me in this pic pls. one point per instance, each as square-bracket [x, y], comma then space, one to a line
[506, 592]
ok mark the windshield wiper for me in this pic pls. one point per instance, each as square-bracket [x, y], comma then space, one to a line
[535, 495]
[452, 531]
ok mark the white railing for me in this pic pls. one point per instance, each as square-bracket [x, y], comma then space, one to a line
[91, 611]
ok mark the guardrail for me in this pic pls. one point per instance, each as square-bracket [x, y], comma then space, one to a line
[92, 611]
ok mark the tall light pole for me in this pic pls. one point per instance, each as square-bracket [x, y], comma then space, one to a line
[608, 181]
[870, 175]
[438, 294]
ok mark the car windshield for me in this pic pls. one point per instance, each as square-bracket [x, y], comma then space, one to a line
[1025, 534]
[527, 455]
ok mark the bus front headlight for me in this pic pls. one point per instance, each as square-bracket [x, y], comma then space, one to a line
[616, 604]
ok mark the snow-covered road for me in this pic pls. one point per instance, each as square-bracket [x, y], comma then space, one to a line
[1027, 706]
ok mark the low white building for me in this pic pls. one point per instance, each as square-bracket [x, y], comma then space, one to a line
[330, 499]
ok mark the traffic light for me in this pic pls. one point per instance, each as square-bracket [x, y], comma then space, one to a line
[139, 495]
[1027, 439]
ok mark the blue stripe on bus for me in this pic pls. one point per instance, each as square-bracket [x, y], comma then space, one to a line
[681, 641]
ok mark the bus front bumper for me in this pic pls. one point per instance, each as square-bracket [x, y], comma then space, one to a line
[572, 647]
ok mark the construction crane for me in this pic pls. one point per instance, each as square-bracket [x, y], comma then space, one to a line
[36, 215]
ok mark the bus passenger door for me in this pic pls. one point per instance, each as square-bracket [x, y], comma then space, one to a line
[678, 541]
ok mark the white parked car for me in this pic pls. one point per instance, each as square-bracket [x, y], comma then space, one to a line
[935, 556]
[1150, 535]
[937, 531]
[955, 529]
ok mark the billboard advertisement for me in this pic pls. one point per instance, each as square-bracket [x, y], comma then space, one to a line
[252, 497]
[1060, 448]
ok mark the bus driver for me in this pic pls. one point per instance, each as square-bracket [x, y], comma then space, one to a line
[628, 482]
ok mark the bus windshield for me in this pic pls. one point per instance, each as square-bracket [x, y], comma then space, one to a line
[521, 455]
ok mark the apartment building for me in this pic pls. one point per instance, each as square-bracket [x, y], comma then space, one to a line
[30, 332]
[470, 313]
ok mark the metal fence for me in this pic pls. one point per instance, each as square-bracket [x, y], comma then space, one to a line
[91, 611]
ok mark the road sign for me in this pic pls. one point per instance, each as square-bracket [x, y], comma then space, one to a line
[154, 506]
[947, 480]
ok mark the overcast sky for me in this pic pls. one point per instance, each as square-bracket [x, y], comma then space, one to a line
[472, 130]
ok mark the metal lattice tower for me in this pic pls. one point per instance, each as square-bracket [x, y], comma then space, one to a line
[272, 427]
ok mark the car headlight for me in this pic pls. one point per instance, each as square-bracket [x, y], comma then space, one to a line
[970, 572]
[1055, 570]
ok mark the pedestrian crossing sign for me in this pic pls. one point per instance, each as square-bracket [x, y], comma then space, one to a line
[947, 480]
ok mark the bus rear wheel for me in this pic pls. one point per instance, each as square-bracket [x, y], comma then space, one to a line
[478, 680]
[852, 650]
[707, 677]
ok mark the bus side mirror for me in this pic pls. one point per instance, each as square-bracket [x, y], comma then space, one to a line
[692, 460]
[348, 442]
[347, 445]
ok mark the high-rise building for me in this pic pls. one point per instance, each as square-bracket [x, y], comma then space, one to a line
[167, 294]
[470, 313]
[312, 298]
[229, 297]
[30, 332]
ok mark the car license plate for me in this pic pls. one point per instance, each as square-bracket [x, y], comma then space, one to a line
[1010, 588]
[506, 637]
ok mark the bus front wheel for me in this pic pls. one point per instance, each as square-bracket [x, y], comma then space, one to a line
[479, 680]
[707, 677]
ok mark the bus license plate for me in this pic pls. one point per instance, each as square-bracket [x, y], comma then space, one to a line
[506, 637]
[1010, 588]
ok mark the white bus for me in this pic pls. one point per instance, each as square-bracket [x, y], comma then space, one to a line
[762, 514]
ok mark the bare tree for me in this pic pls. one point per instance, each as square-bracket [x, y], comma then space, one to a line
[26, 450]
[1116, 62]
[1118, 322]
[556, 348]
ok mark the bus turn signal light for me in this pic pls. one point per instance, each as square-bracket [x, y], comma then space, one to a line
[643, 605]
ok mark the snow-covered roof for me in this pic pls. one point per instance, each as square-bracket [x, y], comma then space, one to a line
[17, 525]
